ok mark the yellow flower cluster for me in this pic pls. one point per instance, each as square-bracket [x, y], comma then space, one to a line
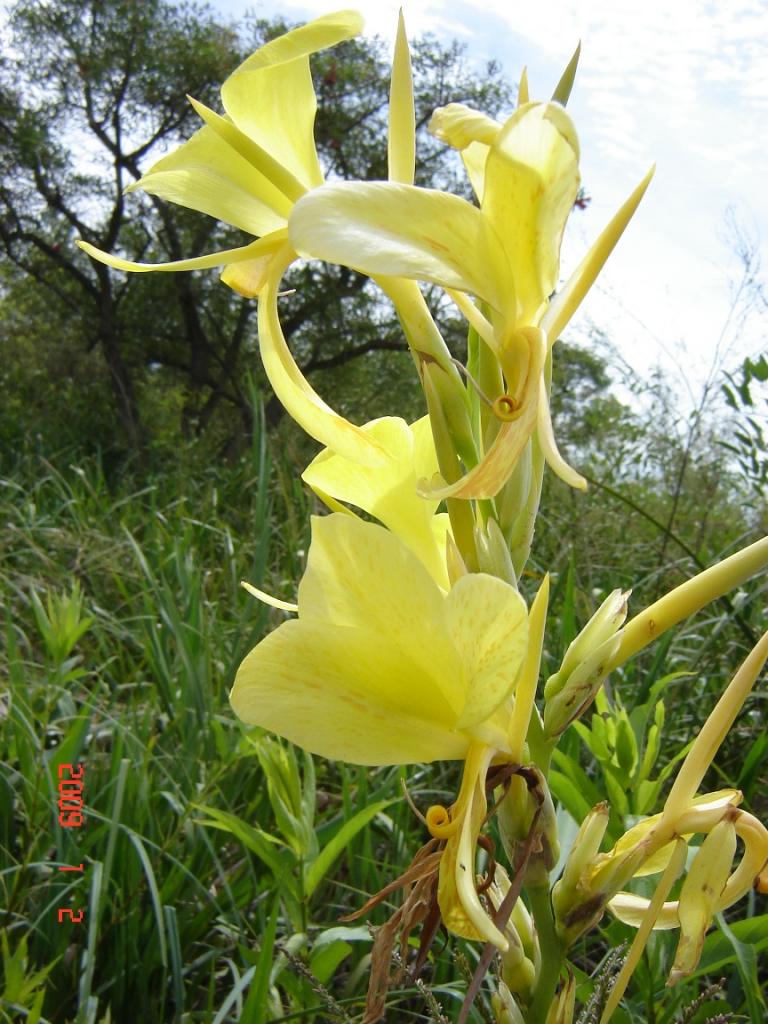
[412, 642]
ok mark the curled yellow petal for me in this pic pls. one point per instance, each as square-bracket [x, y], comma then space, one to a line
[459, 125]
[546, 437]
[701, 891]
[292, 388]
[486, 479]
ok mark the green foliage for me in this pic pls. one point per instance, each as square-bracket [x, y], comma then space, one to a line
[217, 862]
[749, 443]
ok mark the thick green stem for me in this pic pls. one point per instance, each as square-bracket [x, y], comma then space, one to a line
[551, 954]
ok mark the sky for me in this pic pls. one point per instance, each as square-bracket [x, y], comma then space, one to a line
[684, 85]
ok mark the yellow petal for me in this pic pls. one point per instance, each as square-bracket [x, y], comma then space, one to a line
[531, 182]
[699, 895]
[523, 94]
[402, 118]
[207, 175]
[275, 106]
[631, 909]
[525, 692]
[263, 248]
[458, 125]
[568, 299]
[488, 624]
[388, 492]
[292, 388]
[271, 99]
[247, 278]
[475, 158]
[347, 694]
[401, 231]
[279, 177]
[359, 574]
[316, 35]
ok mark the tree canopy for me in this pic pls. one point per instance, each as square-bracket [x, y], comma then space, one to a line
[91, 94]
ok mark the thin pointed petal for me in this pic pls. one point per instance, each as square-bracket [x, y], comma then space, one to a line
[525, 691]
[714, 730]
[402, 118]
[265, 598]
[266, 246]
[523, 92]
[647, 924]
[568, 299]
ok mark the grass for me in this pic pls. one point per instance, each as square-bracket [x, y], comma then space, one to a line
[216, 861]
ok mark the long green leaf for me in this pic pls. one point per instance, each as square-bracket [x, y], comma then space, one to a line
[322, 864]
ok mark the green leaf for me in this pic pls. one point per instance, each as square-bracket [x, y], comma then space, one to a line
[256, 1005]
[746, 964]
[569, 795]
[317, 870]
[255, 839]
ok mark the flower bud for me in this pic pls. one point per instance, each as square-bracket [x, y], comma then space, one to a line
[564, 705]
[573, 903]
[603, 625]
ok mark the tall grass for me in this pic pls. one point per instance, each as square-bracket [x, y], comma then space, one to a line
[217, 861]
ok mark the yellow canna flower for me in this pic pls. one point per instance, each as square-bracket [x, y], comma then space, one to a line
[248, 168]
[382, 666]
[388, 491]
[505, 254]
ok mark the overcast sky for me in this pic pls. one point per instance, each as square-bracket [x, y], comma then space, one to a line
[684, 85]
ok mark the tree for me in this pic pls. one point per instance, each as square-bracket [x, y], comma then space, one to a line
[98, 95]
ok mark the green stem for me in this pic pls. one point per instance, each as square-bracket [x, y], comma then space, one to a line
[551, 954]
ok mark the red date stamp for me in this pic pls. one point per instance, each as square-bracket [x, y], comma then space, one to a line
[70, 809]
